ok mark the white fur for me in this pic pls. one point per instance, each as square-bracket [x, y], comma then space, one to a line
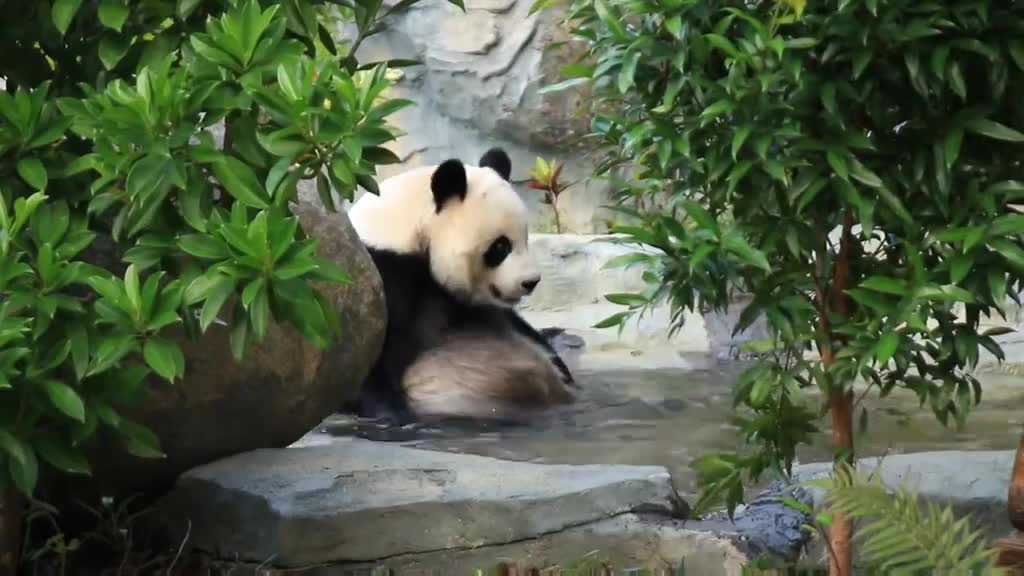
[403, 218]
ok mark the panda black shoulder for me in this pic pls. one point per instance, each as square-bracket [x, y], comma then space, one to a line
[406, 279]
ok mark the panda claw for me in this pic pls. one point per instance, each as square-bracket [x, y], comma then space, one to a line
[566, 374]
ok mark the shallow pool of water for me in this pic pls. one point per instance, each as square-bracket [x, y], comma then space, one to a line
[668, 417]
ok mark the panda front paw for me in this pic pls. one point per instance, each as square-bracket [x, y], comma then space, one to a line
[567, 378]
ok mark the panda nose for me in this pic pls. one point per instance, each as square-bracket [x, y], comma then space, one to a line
[530, 284]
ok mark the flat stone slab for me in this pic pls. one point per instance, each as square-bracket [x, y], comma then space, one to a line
[628, 543]
[361, 501]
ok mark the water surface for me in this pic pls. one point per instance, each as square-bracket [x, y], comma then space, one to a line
[669, 416]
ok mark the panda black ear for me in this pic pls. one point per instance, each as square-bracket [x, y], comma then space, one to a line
[497, 160]
[447, 182]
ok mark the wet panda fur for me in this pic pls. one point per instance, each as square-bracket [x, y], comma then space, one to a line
[451, 245]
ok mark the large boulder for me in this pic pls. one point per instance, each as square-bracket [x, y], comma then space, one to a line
[284, 387]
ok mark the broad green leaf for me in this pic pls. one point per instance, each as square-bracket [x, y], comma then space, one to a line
[1009, 250]
[113, 13]
[886, 285]
[860, 62]
[112, 49]
[997, 285]
[330, 272]
[838, 164]
[994, 130]
[895, 204]
[1012, 188]
[149, 173]
[240, 181]
[284, 81]
[947, 293]
[294, 268]
[959, 266]
[717, 109]
[956, 80]
[203, 246]
[738, 138]
[563, 85]
[700, 216]
[186, 7]
[952, 149]
[628, 71]
[380, 156]
[286, 143]
[722, 43]
[131, 287]
[139, 440]
[613, 320]
[887, 345]
[626, 299]
[761, 390]
[863, 174]
[871, 300]
[277, 174]
[626, 260]
[323, 189]
[63, 12]
[33, 172]
[539, 5]
[65, 399]
[219, 291]
[998, 331]
[164, 357]
[828, 97]
[973, 236]
[79, 338]
[62, 457]
[801, 43]
[1008, 224]
[674, 25]
[110, 351]
[14, 448]
[742, 249]
[24, 472]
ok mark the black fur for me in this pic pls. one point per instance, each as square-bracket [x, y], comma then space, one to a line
[497, 160]
[447, 182]
[420, 311]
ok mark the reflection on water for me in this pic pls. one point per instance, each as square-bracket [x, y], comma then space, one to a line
[667, 417]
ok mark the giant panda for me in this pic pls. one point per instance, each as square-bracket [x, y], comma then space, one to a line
[451, 244]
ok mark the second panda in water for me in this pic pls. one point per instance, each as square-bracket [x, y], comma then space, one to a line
[450, 243]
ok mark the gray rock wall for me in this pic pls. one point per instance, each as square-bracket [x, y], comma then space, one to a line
[478, 87]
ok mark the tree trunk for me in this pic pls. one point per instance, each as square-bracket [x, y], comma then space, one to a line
[10, 531]
[1015, 496]
[840, 399]
[841, 532]
[1010, 550]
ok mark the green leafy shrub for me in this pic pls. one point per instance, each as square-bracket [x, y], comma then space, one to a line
[123, 216]
[852, 165]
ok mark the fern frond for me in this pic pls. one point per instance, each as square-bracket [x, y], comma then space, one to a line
[902, 537]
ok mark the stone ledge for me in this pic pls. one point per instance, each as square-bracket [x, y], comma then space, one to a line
[358, 501]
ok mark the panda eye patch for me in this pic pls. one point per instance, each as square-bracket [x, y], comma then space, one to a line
[497, 252]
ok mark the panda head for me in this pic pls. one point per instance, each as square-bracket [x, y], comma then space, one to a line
[478, 234]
